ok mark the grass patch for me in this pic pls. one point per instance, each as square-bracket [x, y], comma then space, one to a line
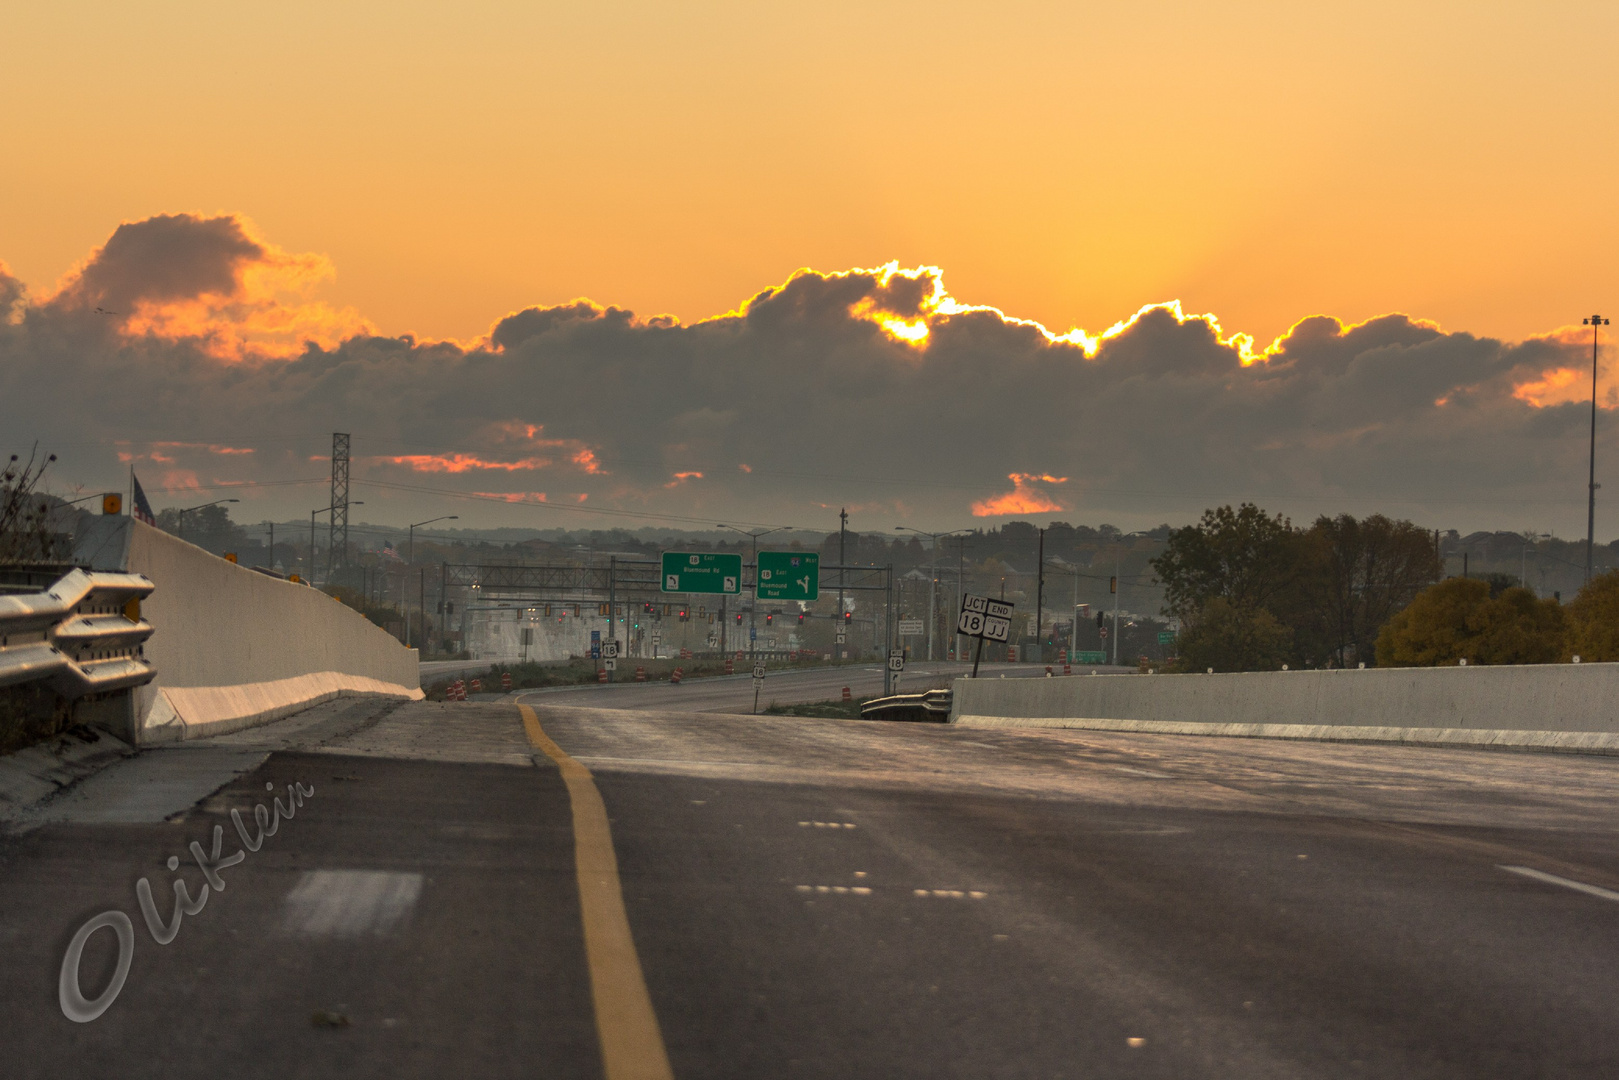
[830, 710]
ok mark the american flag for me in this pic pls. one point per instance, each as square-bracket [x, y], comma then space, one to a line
[142, 510]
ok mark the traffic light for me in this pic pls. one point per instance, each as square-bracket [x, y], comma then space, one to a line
[769, 615]
[739, 618]
[1113, 584]
[800, 618]
[685, 616]
[602, 609]
[848, 617]
[646, 608]
[1101, 620]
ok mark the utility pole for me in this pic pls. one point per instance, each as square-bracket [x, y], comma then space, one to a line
[612, 604]
[1595, 322]
[843, 526]
[1116, 583]
[1039, 597]
[961, 558]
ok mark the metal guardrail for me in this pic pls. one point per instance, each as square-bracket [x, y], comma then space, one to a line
[84, 634]
[930, 707]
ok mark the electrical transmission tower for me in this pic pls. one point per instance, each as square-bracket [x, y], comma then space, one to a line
[338, 548]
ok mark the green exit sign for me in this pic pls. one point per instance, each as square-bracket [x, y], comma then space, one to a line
[788, 575]
[701, 572]
[1166, 637]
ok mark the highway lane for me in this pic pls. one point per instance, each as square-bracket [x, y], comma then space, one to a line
[734, 693]
[842, 898]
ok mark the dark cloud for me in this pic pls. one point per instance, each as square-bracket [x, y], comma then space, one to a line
[870, 388]
[168, 257]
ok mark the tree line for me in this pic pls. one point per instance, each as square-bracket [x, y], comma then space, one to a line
[1253, 592]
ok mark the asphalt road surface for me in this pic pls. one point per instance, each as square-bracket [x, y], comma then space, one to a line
[711, 895]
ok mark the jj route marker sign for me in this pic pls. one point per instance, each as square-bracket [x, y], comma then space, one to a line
[788, 575]
[984, 618]
[701, 572]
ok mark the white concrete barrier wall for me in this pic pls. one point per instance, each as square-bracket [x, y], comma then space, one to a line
[263, 647]
[1540, 697]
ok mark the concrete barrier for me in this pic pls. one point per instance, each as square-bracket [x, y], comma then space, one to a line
[234, 648]
[1543, 706]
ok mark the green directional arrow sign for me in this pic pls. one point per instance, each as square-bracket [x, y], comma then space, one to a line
[789, 575]
[701, 572]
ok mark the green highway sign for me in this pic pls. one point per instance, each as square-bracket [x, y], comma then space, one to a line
[1166, 637]
[1089, 656]
[701, 572]
[788, 575]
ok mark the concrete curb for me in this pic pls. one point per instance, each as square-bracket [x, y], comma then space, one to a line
[1557, 742]
[194, 712]
[37, 772]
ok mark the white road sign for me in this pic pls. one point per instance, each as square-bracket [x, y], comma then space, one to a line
[911, 628]
[610, 664]
[609, 651]
[839, 640]
[896, 660]
[759, 669]
[982, 617]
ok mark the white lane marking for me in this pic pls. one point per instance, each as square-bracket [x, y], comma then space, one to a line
[852, 890]
[1567, 883]
[950, 894]
[346, 903]
[826, 824]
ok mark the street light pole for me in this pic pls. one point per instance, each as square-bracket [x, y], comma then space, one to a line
[410, 560]
[312, 513]
[934, 574]
[753, 609]
[180, 515]
[1595, 322]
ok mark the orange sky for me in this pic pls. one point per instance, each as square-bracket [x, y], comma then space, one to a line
[1065, 162]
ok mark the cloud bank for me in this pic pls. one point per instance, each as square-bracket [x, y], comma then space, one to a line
[194, 349]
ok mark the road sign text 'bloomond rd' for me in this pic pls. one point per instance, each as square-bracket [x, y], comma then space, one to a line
[701, 572]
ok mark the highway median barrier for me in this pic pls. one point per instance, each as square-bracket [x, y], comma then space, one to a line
[1553, 707]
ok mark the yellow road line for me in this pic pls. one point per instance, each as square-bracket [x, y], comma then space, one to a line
[631, 1044]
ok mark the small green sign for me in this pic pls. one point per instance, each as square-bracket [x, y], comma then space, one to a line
[789, 575]
[701, 572]
[1089, 656]
[1166, 637]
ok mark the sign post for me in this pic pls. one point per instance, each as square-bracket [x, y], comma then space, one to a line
[984, 618]
[896, 665]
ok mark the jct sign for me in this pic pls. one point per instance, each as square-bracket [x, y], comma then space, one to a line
[984, 618]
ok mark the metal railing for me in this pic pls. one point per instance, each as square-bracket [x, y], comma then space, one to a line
[84, 634]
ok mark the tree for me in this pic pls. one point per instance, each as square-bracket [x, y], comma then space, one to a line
[1593, 617]
[1517, 627]
[1433, 629]
[1367, 571]
[1458, 619]
[210, 528]
[1242, 556]
[1228, 637]
[25, 529]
